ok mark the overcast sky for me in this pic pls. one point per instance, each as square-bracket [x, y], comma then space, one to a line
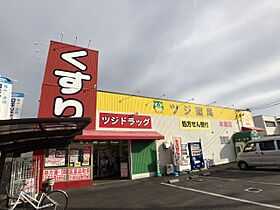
[223, 51]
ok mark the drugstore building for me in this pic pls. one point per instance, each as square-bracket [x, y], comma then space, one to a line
[130, 136]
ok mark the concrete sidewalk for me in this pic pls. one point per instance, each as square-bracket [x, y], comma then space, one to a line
[164, 178]
[223, 167]
[198, 173]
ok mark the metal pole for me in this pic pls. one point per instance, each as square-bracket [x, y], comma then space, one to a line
[2, 164]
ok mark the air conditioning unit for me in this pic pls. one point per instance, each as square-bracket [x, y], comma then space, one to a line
[169, 169]
[166, 145]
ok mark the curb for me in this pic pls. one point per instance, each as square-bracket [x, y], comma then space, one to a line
[195, 175]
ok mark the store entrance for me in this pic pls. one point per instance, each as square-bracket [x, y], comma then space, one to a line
[110, 159]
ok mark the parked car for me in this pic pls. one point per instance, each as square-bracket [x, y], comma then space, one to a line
[261, 152]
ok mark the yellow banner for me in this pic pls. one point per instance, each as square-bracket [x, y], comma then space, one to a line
[247, 119]
[123, 103]
[189, 124]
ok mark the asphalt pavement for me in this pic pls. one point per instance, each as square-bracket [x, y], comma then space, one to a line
[220, 187]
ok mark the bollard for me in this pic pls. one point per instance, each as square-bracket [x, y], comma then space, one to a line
[158, 169]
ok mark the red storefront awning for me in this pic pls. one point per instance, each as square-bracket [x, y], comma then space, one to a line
[252, 129]
[119, 135]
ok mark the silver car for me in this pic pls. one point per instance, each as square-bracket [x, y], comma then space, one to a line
[261, 152]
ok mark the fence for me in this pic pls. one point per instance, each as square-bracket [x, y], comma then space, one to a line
[25, 171]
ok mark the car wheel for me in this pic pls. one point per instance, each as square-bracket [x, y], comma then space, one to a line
[243, 165]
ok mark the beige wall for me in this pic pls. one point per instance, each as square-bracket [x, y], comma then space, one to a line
[260, 122]
[167, 122]
[210, 139]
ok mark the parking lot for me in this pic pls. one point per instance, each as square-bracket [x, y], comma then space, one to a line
[225, 189]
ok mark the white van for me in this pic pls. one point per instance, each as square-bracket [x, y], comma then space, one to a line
[261, 152]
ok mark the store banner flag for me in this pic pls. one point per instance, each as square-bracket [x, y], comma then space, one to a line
[16, 105]
[70, 83]
[5, 97]
[177, 141]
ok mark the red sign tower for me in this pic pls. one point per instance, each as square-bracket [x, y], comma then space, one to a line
[69, 87]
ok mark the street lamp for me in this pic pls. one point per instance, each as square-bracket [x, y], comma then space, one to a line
[230, 106]
[214, 102]
[192, 99]
[138, 92]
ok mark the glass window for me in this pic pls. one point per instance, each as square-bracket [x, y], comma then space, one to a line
[238, 149]
[56, 157]
[250, 147]
[79, 156]
[270, 124]
[267, 145]
[278, 144]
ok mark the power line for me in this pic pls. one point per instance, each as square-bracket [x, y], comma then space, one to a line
[265, 105]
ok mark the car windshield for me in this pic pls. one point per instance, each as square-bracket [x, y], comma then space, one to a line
[250, 147]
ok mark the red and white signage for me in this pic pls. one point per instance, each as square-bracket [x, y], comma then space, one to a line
[112, 120]
[227, 124]
[78, 173]
[56, 174]
[70, 83]
[177, 142]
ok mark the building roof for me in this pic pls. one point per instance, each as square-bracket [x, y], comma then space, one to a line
[119, 135]
[245, 136]
[244, 128]
[24, 135]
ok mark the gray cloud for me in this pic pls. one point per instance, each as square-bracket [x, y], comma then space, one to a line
[210, 50]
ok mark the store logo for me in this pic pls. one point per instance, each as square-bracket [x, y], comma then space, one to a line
[158, 106]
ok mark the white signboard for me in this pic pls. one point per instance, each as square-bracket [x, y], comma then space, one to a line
[185, 164]
[16, 105]
[5, 97]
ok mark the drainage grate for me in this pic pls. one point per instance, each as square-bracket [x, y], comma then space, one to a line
[253, 190]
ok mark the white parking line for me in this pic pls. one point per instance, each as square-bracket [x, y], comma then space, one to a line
[255, 172]
[240, 180]
[223, 196]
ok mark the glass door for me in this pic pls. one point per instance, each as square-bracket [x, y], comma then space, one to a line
[110, 158]
[104, 158]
